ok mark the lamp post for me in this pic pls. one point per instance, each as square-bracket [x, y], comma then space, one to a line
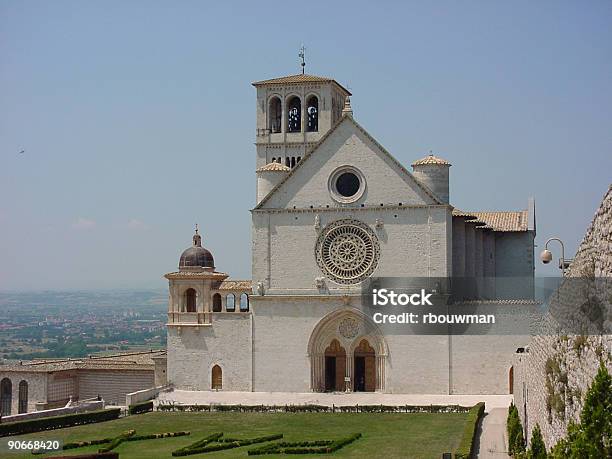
[546, 255]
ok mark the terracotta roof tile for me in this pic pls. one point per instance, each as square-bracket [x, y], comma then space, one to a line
[300, 78]
[274, 167]
[431, 159]
[127, 361]
[498, 220]
[236, 285]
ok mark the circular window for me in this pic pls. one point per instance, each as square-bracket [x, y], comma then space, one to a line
[347, 251]
[346, 184]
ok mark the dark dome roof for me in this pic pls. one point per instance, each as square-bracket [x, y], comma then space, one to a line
[196, 256]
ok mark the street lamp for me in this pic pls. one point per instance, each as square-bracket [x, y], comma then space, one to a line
[546, 255]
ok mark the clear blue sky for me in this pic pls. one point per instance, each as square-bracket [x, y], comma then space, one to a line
[138, 118]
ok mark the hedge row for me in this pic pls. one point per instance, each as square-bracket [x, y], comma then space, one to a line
[101, 441]
[159, 435]
[317, 408]
[229, 443]
[198, 444]
[58, 422]
[465, 449]
[142, 407]
[305, 447]
[110, 455]
[117, 441]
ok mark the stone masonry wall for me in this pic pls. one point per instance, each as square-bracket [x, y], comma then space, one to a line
[550, 380]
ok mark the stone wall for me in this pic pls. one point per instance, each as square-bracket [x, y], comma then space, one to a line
[550, 380]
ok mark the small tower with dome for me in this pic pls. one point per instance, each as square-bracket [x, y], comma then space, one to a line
[433, 172]
[190, 299]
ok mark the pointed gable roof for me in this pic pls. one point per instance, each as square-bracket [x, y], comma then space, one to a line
[308, 155]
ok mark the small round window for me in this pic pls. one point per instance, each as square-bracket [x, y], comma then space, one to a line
[346, 184]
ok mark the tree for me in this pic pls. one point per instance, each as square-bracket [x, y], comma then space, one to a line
[592, 438]
[516, 442]
[537, 448]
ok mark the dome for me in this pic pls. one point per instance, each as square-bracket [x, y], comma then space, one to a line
[196, 256]
[431, 160]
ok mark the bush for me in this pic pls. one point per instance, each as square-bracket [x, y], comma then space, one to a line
[110, 455]
[198, 444]
[158, 435]
[228, 443]
[58, 422]
[305, 447]
[117, 441]
[592, 437]
[516, 442]
[315, 408]
[466, 446]
[143, 407]
[537, 448]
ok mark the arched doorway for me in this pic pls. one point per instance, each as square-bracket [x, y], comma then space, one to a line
[6, 397]
[364, 367]
[335, 367]
[340, 334]
[217, 378]
[23, 397]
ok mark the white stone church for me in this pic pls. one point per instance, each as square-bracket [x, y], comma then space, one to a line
[334, 208]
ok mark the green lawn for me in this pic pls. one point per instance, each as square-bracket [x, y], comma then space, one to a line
[386, 435]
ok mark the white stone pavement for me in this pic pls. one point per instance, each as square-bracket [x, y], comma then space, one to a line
[491, 441]
[184, 397]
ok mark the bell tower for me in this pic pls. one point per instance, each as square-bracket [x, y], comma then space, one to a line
[293, 113]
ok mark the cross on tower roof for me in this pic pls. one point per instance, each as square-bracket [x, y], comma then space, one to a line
[302, 55]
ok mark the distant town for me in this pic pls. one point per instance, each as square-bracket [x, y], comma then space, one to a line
[54, 324]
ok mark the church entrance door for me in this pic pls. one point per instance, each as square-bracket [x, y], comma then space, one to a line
[335, 366]
[365, 368]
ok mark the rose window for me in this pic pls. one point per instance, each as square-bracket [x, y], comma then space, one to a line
[347, 251]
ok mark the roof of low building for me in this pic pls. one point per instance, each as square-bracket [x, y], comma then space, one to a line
[236, 285]
[431, 159]
[274, 167]
[498, 220]
[124, 361]
[300, 78]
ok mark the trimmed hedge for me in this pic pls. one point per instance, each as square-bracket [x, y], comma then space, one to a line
[110, 455]
[228, 443]
[143, 407]
[58, 422]
[101, 441]
[198, 444]
[117, 441]
[466, 447]
[316, 408]
[159, 435]
[305, 447]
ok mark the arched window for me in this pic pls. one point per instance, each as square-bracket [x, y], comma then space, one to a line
[23, 397]
[275, 114]
[244, 302]
[294, 115]
[217, 307]
[190, 300]
[312, 109]
[6, 397]
[217, 378]
[230, 302]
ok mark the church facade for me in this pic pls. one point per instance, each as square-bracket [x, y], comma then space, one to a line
[334, 209]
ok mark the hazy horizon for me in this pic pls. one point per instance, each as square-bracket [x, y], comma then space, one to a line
[138, 120]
